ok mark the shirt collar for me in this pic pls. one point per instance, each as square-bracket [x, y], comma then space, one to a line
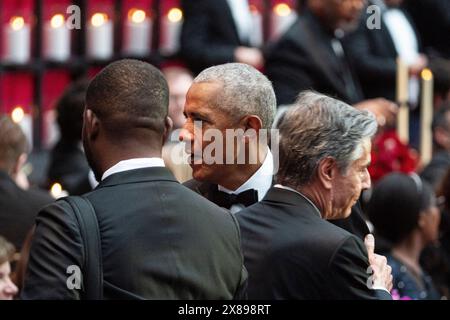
[131, 164]
[261, 180]
[306, 198]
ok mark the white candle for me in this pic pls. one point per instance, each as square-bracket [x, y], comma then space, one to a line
[171, 28]
[17, 41]
[56, 39]
[282, 18]
[100, 37]
[426, 117]
[138, 33]
[402, 99]
[256, 34]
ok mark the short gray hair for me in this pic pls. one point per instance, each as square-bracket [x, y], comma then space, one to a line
[244, 91]
[317, 127]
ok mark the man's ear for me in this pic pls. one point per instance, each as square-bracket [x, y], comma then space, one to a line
[252, 124]
[326, 172]
[92, 124]
[168, 125]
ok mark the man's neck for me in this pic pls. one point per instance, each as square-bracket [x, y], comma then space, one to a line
[238, 174]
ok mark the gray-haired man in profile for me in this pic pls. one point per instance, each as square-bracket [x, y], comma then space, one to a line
[290, 250]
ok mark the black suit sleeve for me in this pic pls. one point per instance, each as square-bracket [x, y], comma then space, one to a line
[197, 47]
[349, 277]
[368, 65]
[56, 245]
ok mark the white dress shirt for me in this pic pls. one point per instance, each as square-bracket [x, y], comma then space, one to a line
[261, 181]
[131, 164]
[242, 18]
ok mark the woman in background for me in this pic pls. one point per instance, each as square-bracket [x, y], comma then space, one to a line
[403, 211]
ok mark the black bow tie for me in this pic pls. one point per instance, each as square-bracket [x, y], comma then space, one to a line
[226, 200]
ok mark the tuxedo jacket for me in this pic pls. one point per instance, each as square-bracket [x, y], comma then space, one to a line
[159, 240]
[18, 209]
[304, 59]
[292, 253]
[374, 55]
[354, 224]
[209, 35]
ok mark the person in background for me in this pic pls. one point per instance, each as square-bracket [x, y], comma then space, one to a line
[68, 165]
[7, 288]
[18, 206]
[435, 171]
[216, 32]
[403, 211]
[179, 81]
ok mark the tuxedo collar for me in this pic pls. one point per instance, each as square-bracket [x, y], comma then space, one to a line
[287, 197]
[138, 175]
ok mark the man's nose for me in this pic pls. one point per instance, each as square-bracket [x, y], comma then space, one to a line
[366, 182]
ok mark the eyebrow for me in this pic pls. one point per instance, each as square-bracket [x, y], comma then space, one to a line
[197, 115]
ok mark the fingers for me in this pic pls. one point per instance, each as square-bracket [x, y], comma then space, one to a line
[369, 241]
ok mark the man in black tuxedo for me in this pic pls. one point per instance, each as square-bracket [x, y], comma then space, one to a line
[18, 206]
[159, 240]
[290, 250]
[312, 55]
[216, 32]
[230, 97]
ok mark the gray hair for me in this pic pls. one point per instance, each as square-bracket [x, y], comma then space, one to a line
[245, 91]
[317, 127]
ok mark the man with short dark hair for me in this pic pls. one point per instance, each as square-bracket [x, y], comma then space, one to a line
[290, 250]
[18, 207]
[159, 240]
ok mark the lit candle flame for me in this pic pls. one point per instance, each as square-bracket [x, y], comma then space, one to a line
[175, 15]
[17, 23]
[57, 21]
[137, 15]
[282, 10]
[56, 190]
[17, 114]
[99, 19]
[426, 74]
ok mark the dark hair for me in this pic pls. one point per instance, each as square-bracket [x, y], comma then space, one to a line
[7, 250]
[129, 94]
[396, 203]
[12, 143]
[70, 109]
